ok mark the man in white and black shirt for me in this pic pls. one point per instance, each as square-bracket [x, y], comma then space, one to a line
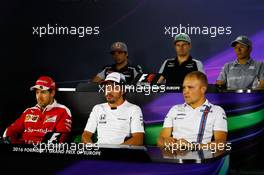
[197, 120]
[117, 121]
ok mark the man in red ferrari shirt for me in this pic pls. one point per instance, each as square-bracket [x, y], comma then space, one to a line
[46, 116]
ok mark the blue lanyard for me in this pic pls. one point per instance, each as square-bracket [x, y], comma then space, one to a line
[202, 124]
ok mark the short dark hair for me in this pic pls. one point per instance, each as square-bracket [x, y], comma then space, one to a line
[200, 76]
[112, 52]
[50, 90]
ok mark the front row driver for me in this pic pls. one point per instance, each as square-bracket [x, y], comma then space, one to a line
[117, 121]
[121, 122]
[45, 117]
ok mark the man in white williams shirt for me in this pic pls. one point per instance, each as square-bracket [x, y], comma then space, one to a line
[117, 121]
[197, 121]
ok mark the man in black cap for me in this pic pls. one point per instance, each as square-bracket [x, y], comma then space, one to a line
[119, 52]
[244, 72]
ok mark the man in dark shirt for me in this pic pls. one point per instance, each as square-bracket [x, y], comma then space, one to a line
[174, 70]
[120, 54]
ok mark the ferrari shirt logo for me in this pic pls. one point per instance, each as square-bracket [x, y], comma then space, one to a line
[51, 118]
[31, 118]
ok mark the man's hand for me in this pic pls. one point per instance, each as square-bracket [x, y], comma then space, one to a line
[183, 144]
[136, 139]
[161, 80]
[261, 85]
[169, 141]
[165, 137]
[87, 137]
[96, 79]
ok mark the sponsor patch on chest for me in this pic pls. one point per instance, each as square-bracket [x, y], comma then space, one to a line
[171, 65]
[31, 118]
[251, 67]
[190, 66]
[124, 119]
[102, 119]
[50, 118]
[180, 116]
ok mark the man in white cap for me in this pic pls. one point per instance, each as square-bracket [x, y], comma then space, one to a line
[244, 72]
[46, 116]
[117, 121]
[119, 53]
[174, 70]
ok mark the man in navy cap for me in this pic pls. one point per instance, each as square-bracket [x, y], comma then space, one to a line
[244, 72]
[119, 53]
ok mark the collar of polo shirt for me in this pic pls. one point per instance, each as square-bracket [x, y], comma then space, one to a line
[120, 106]
[206, 103]
[248, 61]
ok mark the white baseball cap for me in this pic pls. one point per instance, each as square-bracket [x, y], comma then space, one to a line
[115, 77]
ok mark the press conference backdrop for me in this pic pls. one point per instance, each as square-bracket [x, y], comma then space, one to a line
[32, 44]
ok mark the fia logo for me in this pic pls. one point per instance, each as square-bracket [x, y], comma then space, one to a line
[54, 138]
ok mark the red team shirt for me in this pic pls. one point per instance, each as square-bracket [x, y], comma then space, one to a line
[34, 123]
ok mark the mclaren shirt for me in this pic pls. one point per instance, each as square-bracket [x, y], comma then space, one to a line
[115, 125]
[174, 72]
